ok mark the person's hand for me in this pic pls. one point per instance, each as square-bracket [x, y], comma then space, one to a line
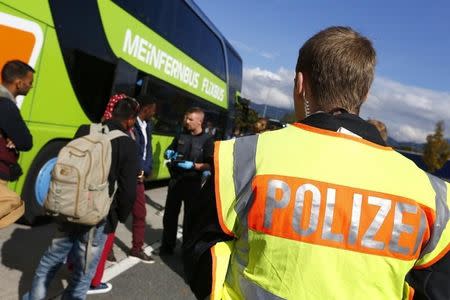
[186, 164]
[206, 173]
[170, 154]
[10, 144]
[140, 177]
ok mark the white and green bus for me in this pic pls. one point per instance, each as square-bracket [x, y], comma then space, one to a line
[86, 50]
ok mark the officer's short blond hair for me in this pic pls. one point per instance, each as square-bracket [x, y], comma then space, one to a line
[339, 64]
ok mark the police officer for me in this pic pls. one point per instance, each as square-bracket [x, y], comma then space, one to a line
[323, 209]
[190, 156]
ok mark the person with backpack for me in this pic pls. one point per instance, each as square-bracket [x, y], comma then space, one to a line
[84, 223]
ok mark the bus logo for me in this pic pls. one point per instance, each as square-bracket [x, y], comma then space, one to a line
[20, 39]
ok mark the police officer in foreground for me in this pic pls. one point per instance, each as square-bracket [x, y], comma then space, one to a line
[322, 209]
[190, 156]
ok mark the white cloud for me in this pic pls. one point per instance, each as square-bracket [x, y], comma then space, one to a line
[410, 112]
[268, 55]
[266, 87]
[246, 48]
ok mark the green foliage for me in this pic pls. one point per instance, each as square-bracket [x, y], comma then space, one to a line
[437, 150]
[405, 148]
[245, 116]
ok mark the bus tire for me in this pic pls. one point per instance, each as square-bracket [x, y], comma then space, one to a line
[40, 170]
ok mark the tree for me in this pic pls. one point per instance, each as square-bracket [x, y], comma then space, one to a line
[437, 150]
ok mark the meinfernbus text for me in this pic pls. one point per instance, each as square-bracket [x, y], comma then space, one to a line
[85, 51]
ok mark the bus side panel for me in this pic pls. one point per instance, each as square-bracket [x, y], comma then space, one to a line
[160, 144]
[55, 111]
[38, 9]
[51, 109]
[21, 38]
[42, 135]
[55, 101]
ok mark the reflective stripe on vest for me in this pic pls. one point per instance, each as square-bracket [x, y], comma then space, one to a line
[220, 254]
[235, 184]
[316, 217]
[432, 251]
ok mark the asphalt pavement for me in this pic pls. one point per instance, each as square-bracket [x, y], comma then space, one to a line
[22, 246]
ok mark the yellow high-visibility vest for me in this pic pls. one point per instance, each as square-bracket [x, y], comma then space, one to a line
[324, 215]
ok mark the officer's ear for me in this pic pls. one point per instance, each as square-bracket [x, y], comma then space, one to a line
[299, 88]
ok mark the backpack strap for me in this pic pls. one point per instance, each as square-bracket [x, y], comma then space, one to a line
[98, 128]
[103, 129]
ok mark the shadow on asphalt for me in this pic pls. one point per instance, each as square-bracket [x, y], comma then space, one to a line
[23, 251]
[175, 262]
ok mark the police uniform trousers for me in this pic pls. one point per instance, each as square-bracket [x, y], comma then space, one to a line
[182, 189]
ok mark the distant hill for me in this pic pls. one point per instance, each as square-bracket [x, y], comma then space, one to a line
[271, 112]
[410, 146]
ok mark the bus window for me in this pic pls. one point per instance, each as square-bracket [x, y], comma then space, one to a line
[124, 78]
[92, 81]
[172, 103]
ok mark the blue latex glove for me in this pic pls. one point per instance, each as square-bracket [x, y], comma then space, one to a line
[186, 164]
[170, 154]
[206, 173]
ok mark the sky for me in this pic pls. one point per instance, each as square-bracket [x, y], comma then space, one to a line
[411, 90]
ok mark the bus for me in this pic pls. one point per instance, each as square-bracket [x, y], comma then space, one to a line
[84, 51]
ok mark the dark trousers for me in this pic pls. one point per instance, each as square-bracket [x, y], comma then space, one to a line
[180, 189]
[139, 212]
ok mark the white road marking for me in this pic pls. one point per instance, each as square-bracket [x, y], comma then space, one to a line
[129, 262]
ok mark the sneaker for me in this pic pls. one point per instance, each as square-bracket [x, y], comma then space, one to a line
[102, 288]
[147, 259]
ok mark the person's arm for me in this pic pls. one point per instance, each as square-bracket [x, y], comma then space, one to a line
[14, 127]
[207, 159]
[206, 232]
[126, 178]
[432, 283]
[174, 144]
[431, 276]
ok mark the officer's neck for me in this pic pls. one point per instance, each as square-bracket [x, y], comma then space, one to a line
[196, 131]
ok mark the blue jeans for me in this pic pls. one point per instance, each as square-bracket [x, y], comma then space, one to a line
[74, 241]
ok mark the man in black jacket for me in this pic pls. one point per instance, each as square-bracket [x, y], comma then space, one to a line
[17, 80]
[73, 238]
[191, 154]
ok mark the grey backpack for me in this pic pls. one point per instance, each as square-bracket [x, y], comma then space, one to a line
[79, 188]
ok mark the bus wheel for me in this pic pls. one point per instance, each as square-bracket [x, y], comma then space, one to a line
[37, 182]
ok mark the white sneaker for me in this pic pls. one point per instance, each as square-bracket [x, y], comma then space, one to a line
[102, 288]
